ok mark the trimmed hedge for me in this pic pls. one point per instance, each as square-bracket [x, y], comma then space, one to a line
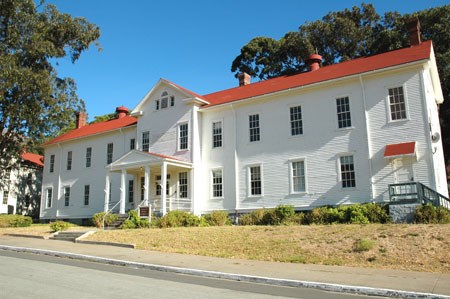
[58, 226]
[15, 221]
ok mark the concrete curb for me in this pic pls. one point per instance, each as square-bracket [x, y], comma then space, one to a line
[27, 236]
[124, 245]
[236, 277]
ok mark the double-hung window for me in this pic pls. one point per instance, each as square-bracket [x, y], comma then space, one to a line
[348, 177]
[217, 134]
[87, 190]
[183, 184]
[183, 137]
[397, 104]
[296, 120]
[164, 100]
[5, 197]
[343, 112]
[52, 163]
[255, 183]
[131, 190]
[145, 141]
[88, 156]
[253, 125]
[132, 144]
[49, 197]
[217, 183]
[66, 196]
[298, 176]
[69, 160]
[109, 153]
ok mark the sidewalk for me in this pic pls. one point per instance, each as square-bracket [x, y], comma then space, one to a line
[336, 278]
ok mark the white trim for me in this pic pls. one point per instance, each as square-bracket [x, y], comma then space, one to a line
[339, 156]
[259, 128]
[291, 176]
[350, 111]
[211, 184]
[221, 133]
[293, 105]
[249, 185]
[388, 104]
[188, 136]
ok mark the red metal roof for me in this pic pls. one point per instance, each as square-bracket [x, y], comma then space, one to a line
[163, 156]
[330, 72]
[95, 129]
[33, 158]
[400, 149]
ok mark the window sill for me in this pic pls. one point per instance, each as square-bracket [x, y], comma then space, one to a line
[345, 129]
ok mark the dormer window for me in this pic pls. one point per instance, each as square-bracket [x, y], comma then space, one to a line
[165, 101]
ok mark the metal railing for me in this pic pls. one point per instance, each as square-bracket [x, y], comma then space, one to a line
[415, 192]
[107, 212]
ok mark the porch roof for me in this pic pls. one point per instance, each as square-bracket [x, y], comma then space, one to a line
[400, 149]
[135, 159]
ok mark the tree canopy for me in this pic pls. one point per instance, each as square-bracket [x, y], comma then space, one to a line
[35, 101]
[348, 34]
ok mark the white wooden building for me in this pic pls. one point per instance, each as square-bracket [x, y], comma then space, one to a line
[334, 135]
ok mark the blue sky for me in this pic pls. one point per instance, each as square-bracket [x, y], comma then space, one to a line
[191, 43]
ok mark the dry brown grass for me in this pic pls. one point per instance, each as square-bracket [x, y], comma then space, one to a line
[36, 230]
[406, 247]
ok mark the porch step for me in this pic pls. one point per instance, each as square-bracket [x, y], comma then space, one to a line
[116, 224]
[67, 236]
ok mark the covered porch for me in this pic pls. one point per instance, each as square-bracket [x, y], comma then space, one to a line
[161, 183]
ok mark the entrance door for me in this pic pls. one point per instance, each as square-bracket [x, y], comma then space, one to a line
[403, 171]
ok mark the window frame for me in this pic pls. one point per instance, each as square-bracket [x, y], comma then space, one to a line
[292, 122]
[292, 177]
[5, 198]
[164, 100]
[87, 195]
[130, 192]
[183, 140]
[109, 153]
[132, 144]
[249, 180]
[255, 130]
[145, 136]
[215, 184]
[88, 157]
[183, 189]
[52, 163]
[219, 135]
[66, 196]
[49, 197]
[69, 160]
[344, 181]
[405, 103]
[348, 113]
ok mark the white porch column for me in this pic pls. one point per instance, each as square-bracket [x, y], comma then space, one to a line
[146, 184]
[163, 188]
[191, 188]
[106, 193]
[123, 188]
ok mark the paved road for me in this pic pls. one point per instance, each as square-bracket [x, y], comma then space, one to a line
[35, 276]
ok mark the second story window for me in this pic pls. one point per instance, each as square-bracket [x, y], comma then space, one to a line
[132, 144]
[217, 134]
[69, 160]
[145, 141]
[183, 137]
[397, 105]
[52, 163]
[296, 120]
[109, 153]
[343, 112]
[253, 124]
[88, 156]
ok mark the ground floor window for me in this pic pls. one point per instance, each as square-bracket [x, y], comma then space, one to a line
[298, 176]
[86, 194]
[130, 190]
[183, 184]
[347, 172]
[255, 180]
[66, 196]
[217, 183]
[49, 197]
[5, 197]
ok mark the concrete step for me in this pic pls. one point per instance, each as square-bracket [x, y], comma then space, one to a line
[67, 236]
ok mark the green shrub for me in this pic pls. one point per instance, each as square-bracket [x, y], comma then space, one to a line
[363, 245]
[325, 215]
[356, 214]
[179, 219]
[128, 224]
[217, 218]
[431, 214]
[144, 223]
[377, 213]
[97, 219]
[284, 212]
[15, 221]
[59, 226]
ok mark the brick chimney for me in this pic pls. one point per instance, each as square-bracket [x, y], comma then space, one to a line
[314, 61]
[414, 31]
[121, 111]
[244, 79]
[81, 119]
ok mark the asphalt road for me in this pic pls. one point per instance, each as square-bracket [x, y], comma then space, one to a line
[28, 276]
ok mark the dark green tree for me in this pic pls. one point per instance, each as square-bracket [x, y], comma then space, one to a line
[34, 101]
[349, 34]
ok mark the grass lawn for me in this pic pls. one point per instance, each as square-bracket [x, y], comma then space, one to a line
[392, 246]
[404, 247]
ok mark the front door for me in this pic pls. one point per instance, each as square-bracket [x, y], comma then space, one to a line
[403, 170]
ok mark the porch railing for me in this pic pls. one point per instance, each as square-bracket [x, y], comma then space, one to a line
[109, 211]
[415, 192]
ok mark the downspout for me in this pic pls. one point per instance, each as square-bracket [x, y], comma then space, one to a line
[368, 137]
[236, 162]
